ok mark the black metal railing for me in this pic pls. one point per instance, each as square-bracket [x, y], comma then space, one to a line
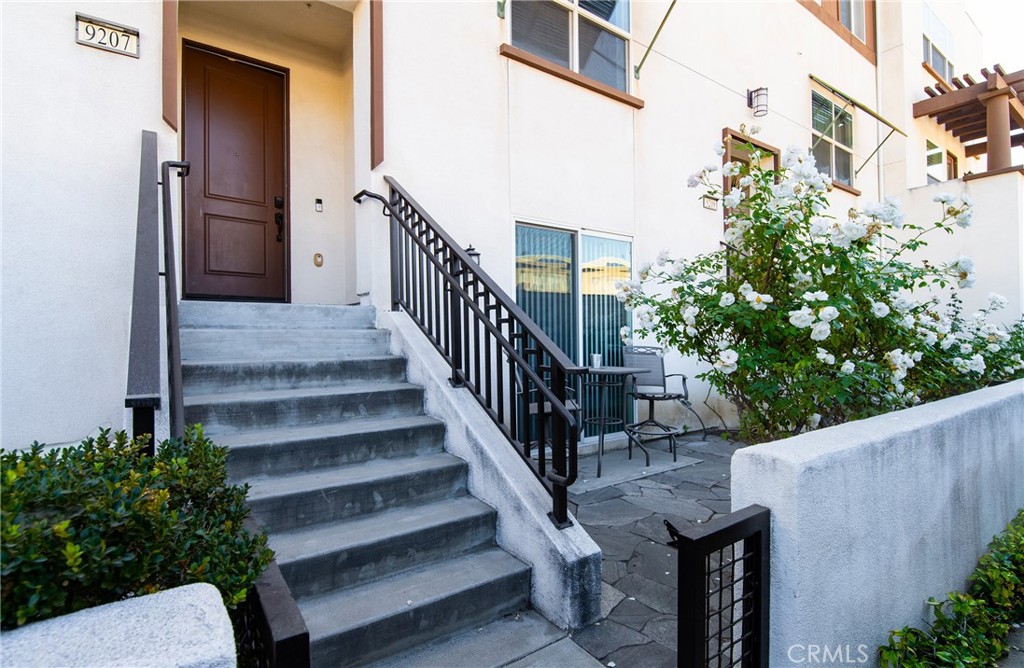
[724, 584]
[174, 383]
[517, 374]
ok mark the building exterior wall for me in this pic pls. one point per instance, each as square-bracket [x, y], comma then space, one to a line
[72, 122]
[482, 141]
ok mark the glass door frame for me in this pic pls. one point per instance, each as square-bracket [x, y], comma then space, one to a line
[577, 245]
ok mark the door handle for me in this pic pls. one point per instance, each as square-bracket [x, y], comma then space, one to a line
[278, 202]
[279, 221]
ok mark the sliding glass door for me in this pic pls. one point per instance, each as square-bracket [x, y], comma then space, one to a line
[566, 282]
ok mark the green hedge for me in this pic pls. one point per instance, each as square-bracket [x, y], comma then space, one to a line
[101, 522]
[970, 629]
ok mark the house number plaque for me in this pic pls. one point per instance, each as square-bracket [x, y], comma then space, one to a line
[105, 35]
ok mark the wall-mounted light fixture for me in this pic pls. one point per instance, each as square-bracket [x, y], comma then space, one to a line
[473, 254]
[757, 100]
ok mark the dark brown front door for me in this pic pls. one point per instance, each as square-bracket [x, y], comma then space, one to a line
[235, 220]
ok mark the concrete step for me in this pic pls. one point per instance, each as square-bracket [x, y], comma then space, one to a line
[202, 377]
[324, 557]
[296, 449]
[219, 344]
[512, 638]
[249, 315]
[365, 623]
[245, 411]
[284, 502]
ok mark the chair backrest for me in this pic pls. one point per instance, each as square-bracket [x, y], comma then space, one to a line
[646, 357]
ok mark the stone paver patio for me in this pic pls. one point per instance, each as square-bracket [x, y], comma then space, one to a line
[624, 512]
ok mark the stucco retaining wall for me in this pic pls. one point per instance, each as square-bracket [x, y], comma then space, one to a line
[872, 517]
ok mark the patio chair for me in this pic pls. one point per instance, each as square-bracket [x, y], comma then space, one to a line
[653, 387]
[533, 405]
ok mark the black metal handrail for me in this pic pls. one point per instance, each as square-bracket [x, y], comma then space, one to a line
[174, 386]
[514, 370]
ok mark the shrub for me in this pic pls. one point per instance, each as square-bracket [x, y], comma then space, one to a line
[100, 522]
[805, 319]
[969, 629]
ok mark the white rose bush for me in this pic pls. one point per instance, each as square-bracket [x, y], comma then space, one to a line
[807, 320]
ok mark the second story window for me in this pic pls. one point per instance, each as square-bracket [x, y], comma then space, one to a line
[852, 16]
[832, 139]
[938, 45]
[586, 36]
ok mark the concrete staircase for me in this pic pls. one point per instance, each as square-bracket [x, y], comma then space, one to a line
[371, 520]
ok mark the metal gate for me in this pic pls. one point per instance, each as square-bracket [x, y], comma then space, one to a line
[724, 589]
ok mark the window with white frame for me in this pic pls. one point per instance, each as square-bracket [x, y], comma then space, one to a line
[832, 138]
[938, 45]
[852, 16]
[590, 37]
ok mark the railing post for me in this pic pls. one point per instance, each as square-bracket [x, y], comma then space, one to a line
[455, 311]
[396, 268]
[559, 446]
[692, 605]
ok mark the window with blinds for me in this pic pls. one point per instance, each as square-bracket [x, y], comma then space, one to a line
[566, 283]
[832, 139]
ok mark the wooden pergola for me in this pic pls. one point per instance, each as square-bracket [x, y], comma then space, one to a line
[987, 116]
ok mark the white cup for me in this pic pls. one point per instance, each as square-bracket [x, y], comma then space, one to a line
[595, 360]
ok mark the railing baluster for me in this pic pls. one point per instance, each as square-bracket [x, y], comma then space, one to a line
[480, 330]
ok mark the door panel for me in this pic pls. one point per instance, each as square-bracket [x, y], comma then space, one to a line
[235, 233]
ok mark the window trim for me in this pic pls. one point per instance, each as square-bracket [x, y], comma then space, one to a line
[544, 65]
[944, 77]
[827, 11]
[578, 14]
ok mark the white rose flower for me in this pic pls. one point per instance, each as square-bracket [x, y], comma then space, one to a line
[745, 289]
[825, 356]
[820, 331]
[944, 198]
[726, 362]
[976, 364]
[996, 301]
[820, 296]
[828, 270]
[965, 349]
[746, 181]
[880, 309]
[994, 347]
[728, 299]
[690, 315]
[847, 367]
[828, 314]
[733, 198]
[758, 301]
[814, 420]
[802, 318]
[720, 149]
[692, 331]
[693, 180]
[731, 168]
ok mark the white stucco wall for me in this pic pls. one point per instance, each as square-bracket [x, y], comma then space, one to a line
[872, 517]
[72, 122]
[995, 240]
